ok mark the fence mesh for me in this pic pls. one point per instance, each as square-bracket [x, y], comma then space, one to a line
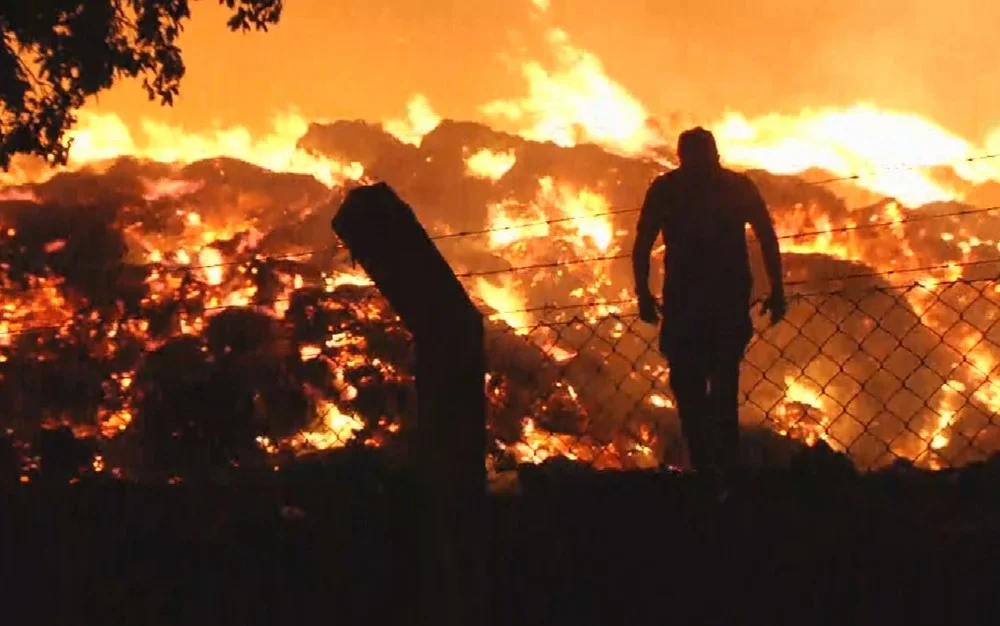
[877, 373]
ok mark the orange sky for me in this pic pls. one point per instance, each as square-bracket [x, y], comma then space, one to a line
[359, 59]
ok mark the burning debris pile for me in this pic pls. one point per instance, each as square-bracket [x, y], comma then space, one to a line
[200, 315]
[191, 316]
[880, 356]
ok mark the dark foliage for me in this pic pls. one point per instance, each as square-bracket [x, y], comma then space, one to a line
[10, 460]
[338, 540]
[57, 53]
[62, 454]
[204, 402]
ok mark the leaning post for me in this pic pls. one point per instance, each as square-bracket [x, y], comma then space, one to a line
[384, 236]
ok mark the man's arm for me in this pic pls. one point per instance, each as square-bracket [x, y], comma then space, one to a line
[646, 232]
[763, 228]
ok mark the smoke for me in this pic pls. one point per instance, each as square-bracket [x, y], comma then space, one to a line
[354, 59]
[769, 56]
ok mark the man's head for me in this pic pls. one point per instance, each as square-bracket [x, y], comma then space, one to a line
[697, 149]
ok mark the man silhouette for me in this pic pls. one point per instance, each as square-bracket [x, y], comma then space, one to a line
[702, 210]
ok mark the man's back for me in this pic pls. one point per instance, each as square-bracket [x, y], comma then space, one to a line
[702, 216]
[702, 210]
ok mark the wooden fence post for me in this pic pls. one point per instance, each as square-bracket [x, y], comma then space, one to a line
[384, 236]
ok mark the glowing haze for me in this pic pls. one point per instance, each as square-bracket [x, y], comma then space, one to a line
[545, 84]
[354, 59]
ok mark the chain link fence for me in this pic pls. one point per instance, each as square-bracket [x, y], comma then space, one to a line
[877, 373]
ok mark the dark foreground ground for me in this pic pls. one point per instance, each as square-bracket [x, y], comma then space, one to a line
[572, 548]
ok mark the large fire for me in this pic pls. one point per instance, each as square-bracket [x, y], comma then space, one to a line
[222, 242]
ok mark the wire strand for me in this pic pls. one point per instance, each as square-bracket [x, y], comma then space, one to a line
[56, 327]
[903, 167]
[786, 237]
[833, 279]
[625, 301]
[549, 265]
[620, 256]
[553, 264]
[557, 220]
[621, 211]
[921, 217]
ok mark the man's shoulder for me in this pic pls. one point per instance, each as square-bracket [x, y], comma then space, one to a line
[676, 184]
[666, 184]
[741, 188]
[737, 179]
[666, 178]
[728, 176]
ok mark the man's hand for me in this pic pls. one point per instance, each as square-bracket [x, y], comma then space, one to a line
[649, 310]
[776, 306]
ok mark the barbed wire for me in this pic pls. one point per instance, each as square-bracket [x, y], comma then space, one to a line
[903, 167]
[545, 265]
[548, 222]
[895, 272]
[624, 255]
[619, 302]
[181, 268]
[29, 329]
[627, 210]
[921, 217]
[805, 294]
[553, 264]
[625, 301]
[786, 237]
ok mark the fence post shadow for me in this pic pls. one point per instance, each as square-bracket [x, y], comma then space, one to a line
[449, 439]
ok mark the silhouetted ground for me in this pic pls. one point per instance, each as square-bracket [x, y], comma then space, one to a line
[574, 547]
